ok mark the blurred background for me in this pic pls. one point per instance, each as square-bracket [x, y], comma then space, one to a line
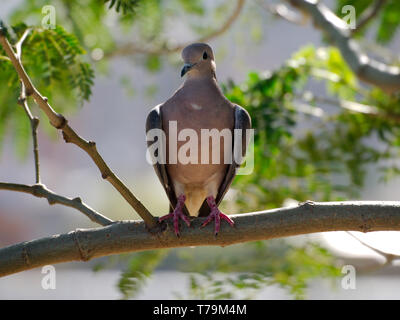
[321, 134]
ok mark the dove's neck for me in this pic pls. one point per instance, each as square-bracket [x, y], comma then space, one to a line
[201, 86]
[201, 82]
[201, 75]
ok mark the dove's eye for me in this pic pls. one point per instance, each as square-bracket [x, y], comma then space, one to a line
[205, 55]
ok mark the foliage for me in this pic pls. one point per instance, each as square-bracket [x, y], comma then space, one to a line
[387, 22]
[54, 59]
[90, 20]
[140, 266]
[303, 151]
[251, 267]
[240, 271]
[126, 5]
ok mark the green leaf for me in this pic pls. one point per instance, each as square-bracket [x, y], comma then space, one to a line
[127, 6]
[54, 60]
[140, 267]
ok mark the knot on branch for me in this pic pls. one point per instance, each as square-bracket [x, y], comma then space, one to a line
[21, 100]
[77, 199]
[35, 122]
[307, 203]
[365, 226]
[51, 201]
[38, 190]
[390, 257]
[105, 175]
[160, 227]
[84, 254]
[29, 91]
[63, 122]
[3, 30]
[66, 138]
[25, 256]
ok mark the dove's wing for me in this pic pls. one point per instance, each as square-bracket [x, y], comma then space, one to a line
[243, 122]
[154, 121]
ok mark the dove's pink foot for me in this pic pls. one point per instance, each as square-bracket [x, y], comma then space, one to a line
[176, 214]
[217, 215]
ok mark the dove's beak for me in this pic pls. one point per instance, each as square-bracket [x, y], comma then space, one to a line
[186, 68]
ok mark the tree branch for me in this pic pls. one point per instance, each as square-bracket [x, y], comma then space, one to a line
[368, 15]
[132, 48]
[356, 107]
[40, 191]
[371, 71]
[282, 11]
[34, 121]
[18, 45]
[60, 122]
[131, 236]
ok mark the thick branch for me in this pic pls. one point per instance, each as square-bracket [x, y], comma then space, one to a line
[130, 236]
[40, 191]
[58, 121]
[132, 48]
[369, 70]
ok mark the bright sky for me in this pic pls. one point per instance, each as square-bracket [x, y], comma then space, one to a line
[345, 244]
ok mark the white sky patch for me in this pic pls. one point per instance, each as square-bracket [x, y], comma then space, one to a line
[340, 241]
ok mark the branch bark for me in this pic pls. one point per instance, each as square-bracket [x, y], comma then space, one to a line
[130, 236]
[22, 100]
[60, 122]
[371, 71]
[34, 122]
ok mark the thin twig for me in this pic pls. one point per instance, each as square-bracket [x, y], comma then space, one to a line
[60, 122]
[132, 48]
[34, 121]
[368, 15]
[357, 107]
[282, 11]
[40, 191]
[389, 257]
[18, 45]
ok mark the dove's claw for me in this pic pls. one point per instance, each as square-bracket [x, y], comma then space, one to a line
[216, 214]
[176, 214]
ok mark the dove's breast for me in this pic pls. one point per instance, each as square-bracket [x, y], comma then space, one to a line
[199, 145]
[197, 139]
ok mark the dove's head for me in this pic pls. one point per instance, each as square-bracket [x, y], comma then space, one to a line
[199, 61]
